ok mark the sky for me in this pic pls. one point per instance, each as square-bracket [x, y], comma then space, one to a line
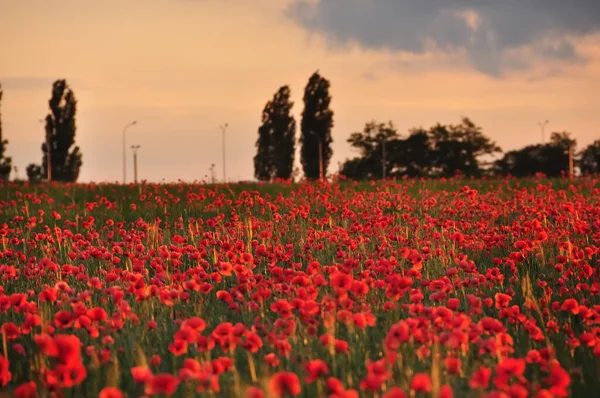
[182, 68]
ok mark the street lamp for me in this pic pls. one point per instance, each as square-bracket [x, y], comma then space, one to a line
[543, 126]
[135, 148]
[320, 154]
[124, 154]
[383, 157]
[48, 151]
[212, 173]
[223, 130]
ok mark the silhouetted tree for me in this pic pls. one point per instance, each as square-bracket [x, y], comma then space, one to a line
[276, 143]
[5, 162]
[263, 164]
[412, 156]
[317, 121]
[440, 151]
[551, 159]
[60, 132]
[370, 145]
[459, 148]
[34, 173]
[589, 162]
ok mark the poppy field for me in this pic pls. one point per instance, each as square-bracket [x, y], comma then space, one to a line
[452, 288]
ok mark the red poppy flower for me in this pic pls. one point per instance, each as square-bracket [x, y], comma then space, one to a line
[340, 280]
[198, 324]
[509, 367]
[10, 330]
[283, 383]
[5, 375]
[69, 348]
[111, 392]
[481, 378]
[162, 383]
[446, 391]
[69, 375]
[63, 319]
[559, 380]
[315, 369]
[141, 374]
[421, 382]
[46, 345]
[453, 365]
[178, 348]
[502, 300]
[26, 390]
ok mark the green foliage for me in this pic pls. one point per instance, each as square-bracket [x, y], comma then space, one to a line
[316, 125]
[5, 162]
[60, 129]
[276, 143]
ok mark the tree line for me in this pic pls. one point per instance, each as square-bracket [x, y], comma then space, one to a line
[438, 151]
[459, 149]
[60, 162]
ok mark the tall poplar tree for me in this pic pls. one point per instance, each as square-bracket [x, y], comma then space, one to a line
[5, 162]
[276, 143]
[316, 125]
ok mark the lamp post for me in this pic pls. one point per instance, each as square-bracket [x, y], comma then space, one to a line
[135, 148]
[223, 131]
[543, 126]
[48, 152]
[383, 157]
[212, 173]
[320, 154]
[124, 154]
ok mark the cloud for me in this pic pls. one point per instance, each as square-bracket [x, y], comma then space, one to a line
[487, 32]
[34, 83]
[26, 83]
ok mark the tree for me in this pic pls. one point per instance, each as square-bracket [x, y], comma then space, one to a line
[5, 162]
[412, 156]
[589, 162]
[370, 144]
[263, 164]
[459, 148]
[60, 132]
[34, 173]
[551, 159]
[316, 125]
[276, 143]
[440, 151]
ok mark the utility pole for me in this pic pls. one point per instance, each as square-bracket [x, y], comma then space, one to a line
[135, 148]
[543, 127]
[321, 172]
[383, 157]
[212, 173]
[223, 131]
[124, 154]
[571, 168]
[48, 151]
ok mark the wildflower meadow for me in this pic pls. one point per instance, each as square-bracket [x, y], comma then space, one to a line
[416, 288]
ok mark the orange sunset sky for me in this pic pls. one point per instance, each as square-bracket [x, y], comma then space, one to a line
[183, 67]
